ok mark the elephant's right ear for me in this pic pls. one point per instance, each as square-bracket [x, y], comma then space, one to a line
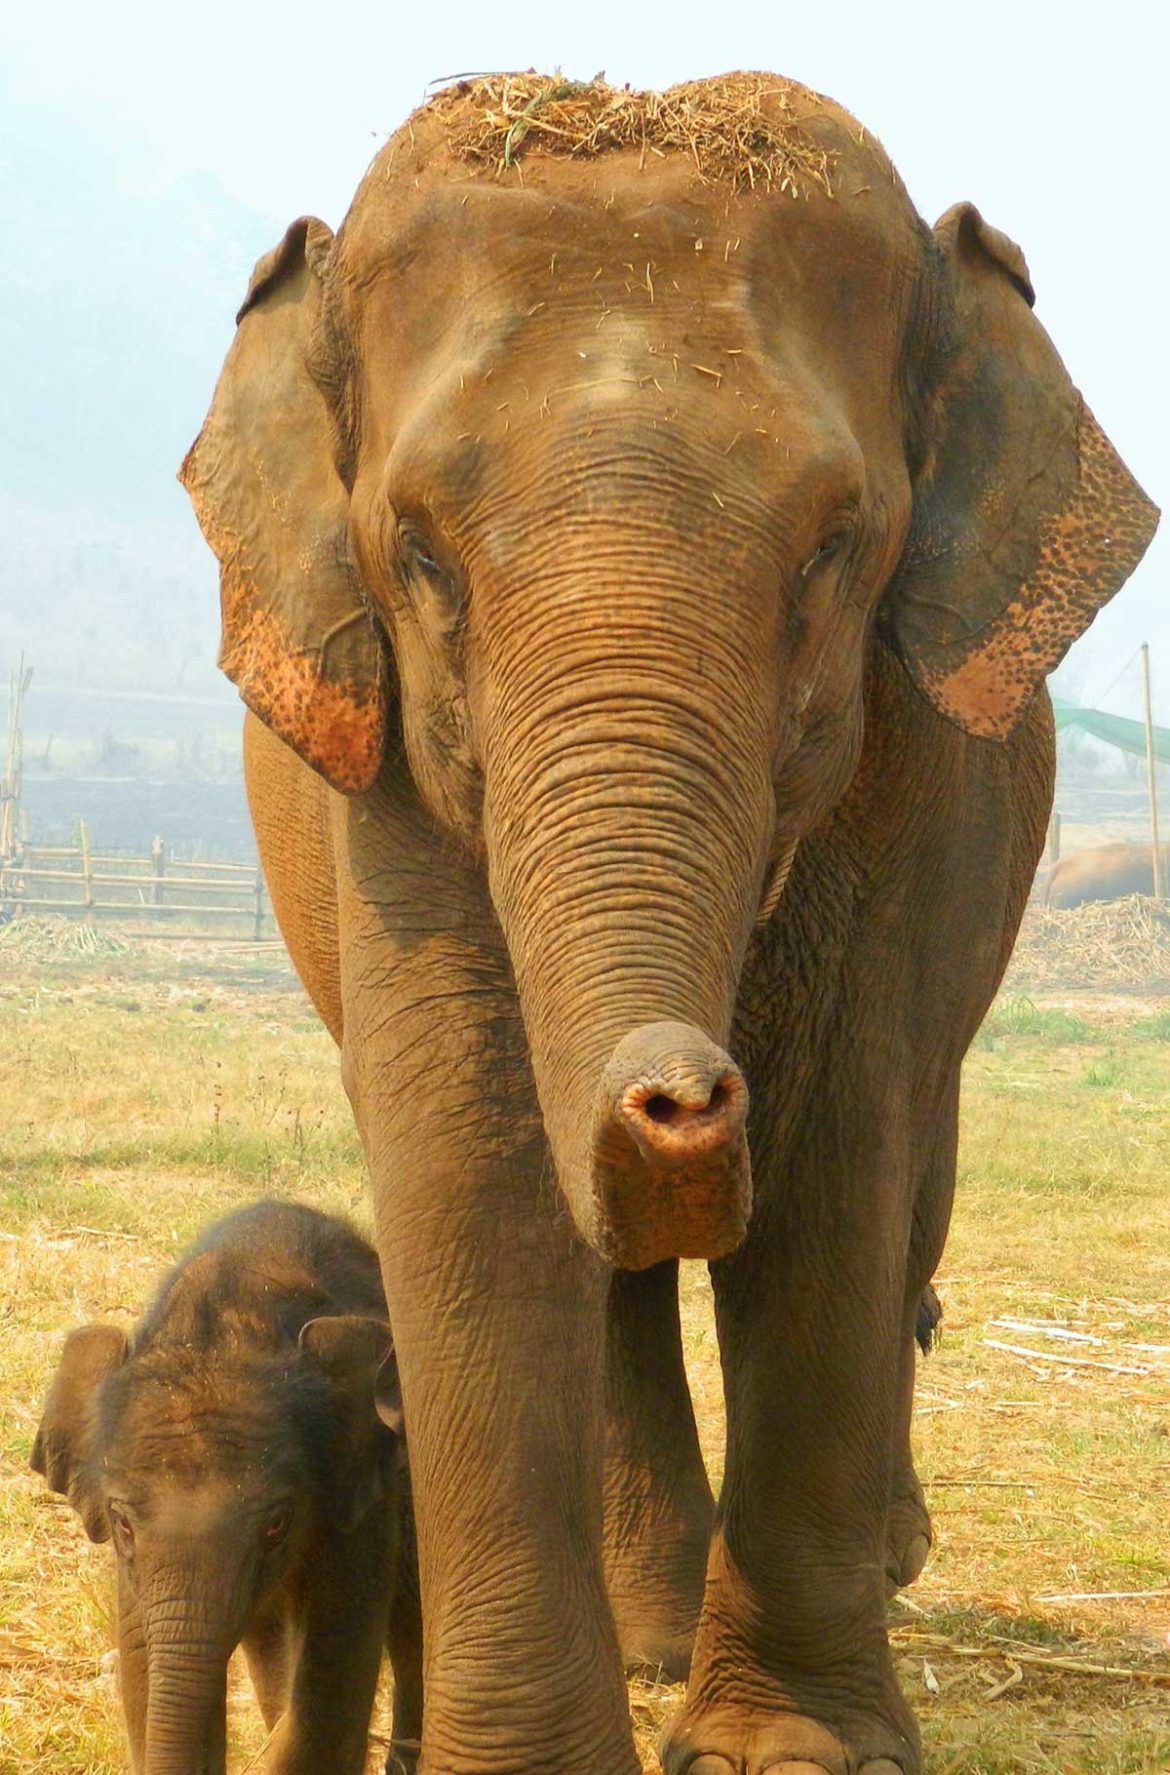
[298, 639]
[61, 1449]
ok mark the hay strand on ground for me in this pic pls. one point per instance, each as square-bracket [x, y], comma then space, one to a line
[1119, 943]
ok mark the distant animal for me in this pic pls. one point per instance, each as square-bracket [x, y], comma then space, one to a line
[242, 1449]
[1104, 872]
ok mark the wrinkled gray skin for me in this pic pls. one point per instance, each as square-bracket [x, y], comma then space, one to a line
[231, 1451]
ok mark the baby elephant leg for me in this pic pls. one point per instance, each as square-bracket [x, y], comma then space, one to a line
[404, 1643]
[335, 1672]
[270, 1650]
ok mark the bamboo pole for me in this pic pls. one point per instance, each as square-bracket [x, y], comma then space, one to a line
[258, 909]
[243, 889]
[128, 909]
[71, 850]
[158, 858]
[11, 824]
[1151, 778]
[86, 865]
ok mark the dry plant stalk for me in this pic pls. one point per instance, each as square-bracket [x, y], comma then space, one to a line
[743, 129]
[1106, 943]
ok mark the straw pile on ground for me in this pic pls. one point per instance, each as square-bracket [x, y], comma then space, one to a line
[744, 129]
[1123, 944]
[30, 939]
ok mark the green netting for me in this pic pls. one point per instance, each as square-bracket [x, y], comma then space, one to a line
[1115, 730]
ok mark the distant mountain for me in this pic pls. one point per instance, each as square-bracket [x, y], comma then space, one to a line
[115, 311]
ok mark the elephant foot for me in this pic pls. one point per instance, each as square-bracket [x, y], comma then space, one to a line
[655, 1573]
[654, 1655]
[909, 1535]
[656, 1632]
[783, 1744]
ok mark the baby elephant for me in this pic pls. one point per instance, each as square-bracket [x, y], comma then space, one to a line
[242, 1449]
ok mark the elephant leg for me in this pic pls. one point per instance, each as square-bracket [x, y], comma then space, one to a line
[908, 1529]
[909, 1534]
[270, 1655]
[792, 1668]
[335, 1653]
[658, 1505]
[133, 1675]
[498, 1312]
[404, 1643]
[499, 1327]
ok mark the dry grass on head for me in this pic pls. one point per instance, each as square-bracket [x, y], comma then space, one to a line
[745, 128]
[142, 1095]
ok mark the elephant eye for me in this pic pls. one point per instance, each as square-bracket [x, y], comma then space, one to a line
[277, 1525]
[418, 551]
[827, 550]
[121, 1528]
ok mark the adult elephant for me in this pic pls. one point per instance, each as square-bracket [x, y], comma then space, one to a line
[632, 494]
[1103, 872]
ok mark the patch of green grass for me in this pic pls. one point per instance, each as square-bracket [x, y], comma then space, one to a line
[1104, 1075]
[1152, 1029]
[1018, 1015]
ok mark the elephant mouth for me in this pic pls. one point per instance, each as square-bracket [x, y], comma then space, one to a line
[669, 1173]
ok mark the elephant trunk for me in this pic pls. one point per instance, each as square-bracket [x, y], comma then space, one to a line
[186, 1714]
[628, 816]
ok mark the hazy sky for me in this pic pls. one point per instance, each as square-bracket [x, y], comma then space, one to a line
[1052, 117]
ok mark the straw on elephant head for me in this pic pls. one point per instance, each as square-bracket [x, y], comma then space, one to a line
[746, 129]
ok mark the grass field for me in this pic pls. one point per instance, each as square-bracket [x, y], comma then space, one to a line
[143, 1094]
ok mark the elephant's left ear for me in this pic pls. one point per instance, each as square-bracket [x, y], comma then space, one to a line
[355, 1354]
[298, 640]
[1025, 519]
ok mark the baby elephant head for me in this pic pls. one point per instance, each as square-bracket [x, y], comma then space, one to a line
[229, 1482]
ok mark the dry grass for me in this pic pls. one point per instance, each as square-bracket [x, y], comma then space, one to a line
[744, 129]
[140, 1103]
[1116, 943]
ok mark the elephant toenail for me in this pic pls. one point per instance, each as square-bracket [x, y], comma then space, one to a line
[881, 1766]
[796, 1769]
[712, 1765]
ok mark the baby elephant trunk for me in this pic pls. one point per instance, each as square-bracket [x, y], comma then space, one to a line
[668, 1145]
[186, 1711]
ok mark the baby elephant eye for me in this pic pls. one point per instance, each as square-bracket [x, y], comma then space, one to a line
[121, 1528]
[277, 1525]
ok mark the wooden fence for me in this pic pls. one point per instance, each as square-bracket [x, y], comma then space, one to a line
[78, 882]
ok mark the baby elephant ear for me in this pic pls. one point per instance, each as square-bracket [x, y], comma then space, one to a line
[388, 1394]
[62, 1447]
[1025, 519]
[352, 1350]
[357, 1354]
[349, 1348]
[298, 641]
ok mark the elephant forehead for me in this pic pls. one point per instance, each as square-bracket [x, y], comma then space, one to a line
[488, 311]
[455, 240]
[619, 426]
[181, 1413]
